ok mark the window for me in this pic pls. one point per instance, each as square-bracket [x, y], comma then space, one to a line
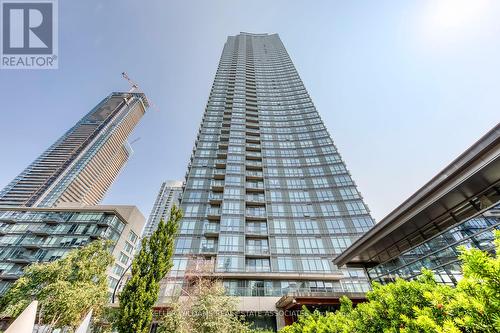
[340, 243]
[232, 224]
[191, 210]
[320, 182]
[310, 245]
[276, 196]
[306, 227]
[349, 193]
[128, 248]
[343, 180]
[229, 263]
[277, 210]
[132, 237]
[232, 193]
[233, 180]
[330, 209]
[280, 226]
[123, 258]
[356, 207]
[187, 226]
[282, 245]
[208, 245]
[230, 243]
[183, 245]
[325, 195]
[362, 223]
[299, 196]
[315, 265]
[258, 265]
[118, 270]
[285, 264]
[232, 207]
[302, 210]
[179, 264]
[336, 225]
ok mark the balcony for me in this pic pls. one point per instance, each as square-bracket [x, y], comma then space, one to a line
[259, 231]
[211, 229]
[252, 126]
[254, 175]
[223, 145]
[252, 250]
[224, 130]
[217, 185]
[220, 163]
[215, 198]
[252, 139]
[8, 221]
[252, 118]
[51, 220]
[252, 132]
[253, 147]
[255, 186]
[10, 276]
[222, 153]
[253, 155]
[21, 260]
[253, 165]
[208, 249]
[32, 246]
[219, 174]
[213, 213]
[256, 213]
[255, 199]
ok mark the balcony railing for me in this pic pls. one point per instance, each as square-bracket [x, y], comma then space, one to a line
[256, 213]
[258, 186]
[220, 163]
[217, 184]
[208, 249]
[254, 174]
[219, 173]
[213, 213]
[253, 146]
[257, 250]
[256, 230]
[215, 197]
[253, 155]
[254, 164]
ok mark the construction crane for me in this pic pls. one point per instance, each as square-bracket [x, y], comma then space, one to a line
[134, 87]
[135, 140]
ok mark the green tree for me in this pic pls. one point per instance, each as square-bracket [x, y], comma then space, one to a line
[151, 264]
[421, 305]
[66, 288]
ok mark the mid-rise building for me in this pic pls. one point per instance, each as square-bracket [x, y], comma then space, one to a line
[35, 234]
[169, 195]
[84, 162]
[460, 206]
[268, 200]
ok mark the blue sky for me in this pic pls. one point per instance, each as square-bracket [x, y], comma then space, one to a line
[403, 86]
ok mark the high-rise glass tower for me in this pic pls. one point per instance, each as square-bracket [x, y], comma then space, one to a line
[84, 162]
[268, 201]
[169, 195]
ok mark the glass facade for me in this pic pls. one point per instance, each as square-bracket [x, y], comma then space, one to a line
[28, 236]
[440, 253]
[82, 164]
[169, 195]
[268, 200]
